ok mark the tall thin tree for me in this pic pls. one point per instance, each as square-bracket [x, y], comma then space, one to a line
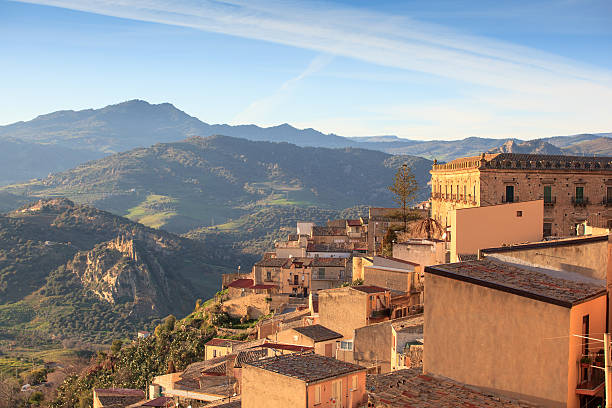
[404, 187]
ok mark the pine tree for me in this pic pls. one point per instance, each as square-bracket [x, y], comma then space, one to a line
[404, 187]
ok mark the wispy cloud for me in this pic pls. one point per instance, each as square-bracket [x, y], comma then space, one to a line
[518, 78]
[259, 109]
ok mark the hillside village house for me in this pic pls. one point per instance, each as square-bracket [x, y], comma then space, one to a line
[303, 381]
[513, 329]
[574, 189]
[320, 338]
[381, 347]
[219, 347]
[345, 309]
[114, 397]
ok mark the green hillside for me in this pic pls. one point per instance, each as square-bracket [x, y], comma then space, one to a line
[208, 181]
[72, 271]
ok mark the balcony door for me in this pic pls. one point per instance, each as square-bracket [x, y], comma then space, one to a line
[509, 194]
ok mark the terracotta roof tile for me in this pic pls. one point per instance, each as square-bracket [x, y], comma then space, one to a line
[369, 289]
[411, 388]
[318, 333]
[307, 367]
[557, 287]
[241, 283]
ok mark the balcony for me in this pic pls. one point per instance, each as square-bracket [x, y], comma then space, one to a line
[591, 378]
[580, 201]
[551, 201]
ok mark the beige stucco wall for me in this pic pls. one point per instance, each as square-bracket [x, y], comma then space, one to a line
[372, 346]
[596, 310]
[426, 254]
[389, 278]
[484, 227]
[343, 310]
[496, 340]
[358, 264]
[580, 256]
[209, 351]
[291, 336]
[262, 388]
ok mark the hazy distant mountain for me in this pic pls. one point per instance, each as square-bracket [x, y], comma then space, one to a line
[137, 123]
[22, 161]
[206, 181]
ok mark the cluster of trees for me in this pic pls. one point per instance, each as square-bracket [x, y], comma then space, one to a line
[173, 346]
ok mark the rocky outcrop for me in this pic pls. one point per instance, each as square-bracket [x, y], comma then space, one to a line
[126, 270]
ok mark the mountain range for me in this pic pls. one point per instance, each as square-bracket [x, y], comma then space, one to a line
[79, 136]
[199, 182]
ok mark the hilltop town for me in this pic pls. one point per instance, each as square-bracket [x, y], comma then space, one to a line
[492, 293]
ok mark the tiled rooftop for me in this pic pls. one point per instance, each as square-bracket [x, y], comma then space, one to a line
[318, 333]
[158, 402]
[339, 247]
[560, 288]
[222, 342]
[410, 324]
[308, 367]
[320, 231]
[287, 347]
[272, 262]
[119, 397]
[411, 388]
[241, 283]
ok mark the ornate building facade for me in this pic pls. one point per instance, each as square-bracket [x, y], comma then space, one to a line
[574, 189]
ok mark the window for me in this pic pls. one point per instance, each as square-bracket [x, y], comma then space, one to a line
[317, 396]
[548, 194]
[509, 194]
[464, 192]
[346, 345]
[296, 280]
[268, 275]
[609, 195]
[579, 194]
[519, 213]
[214, 353]
[354, 383]
[547, 229]
[321, 273]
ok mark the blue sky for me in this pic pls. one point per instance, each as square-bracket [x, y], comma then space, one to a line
[416, 69]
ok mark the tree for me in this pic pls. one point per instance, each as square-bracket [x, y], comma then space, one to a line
[169, 323]
[404, 187]
[115, 347]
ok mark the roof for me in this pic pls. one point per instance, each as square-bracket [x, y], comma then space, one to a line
[220, 385]
[410, 324]
[338, 247]
[119, 397]
[353, 223]
[308, 367]
[412, 388]
[321, 261]
[556, 287]
[369, 289]
[318, 333]
[548, 244]
[247, 356]
[222, 342]
[241, 283]
[528, 161]
[272, 262]
[328, 231]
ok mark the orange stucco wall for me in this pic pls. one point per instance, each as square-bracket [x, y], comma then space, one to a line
[491, 226]
[351, 398]
[596, 310]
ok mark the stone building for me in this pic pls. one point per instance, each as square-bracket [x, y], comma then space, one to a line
[574, 189]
